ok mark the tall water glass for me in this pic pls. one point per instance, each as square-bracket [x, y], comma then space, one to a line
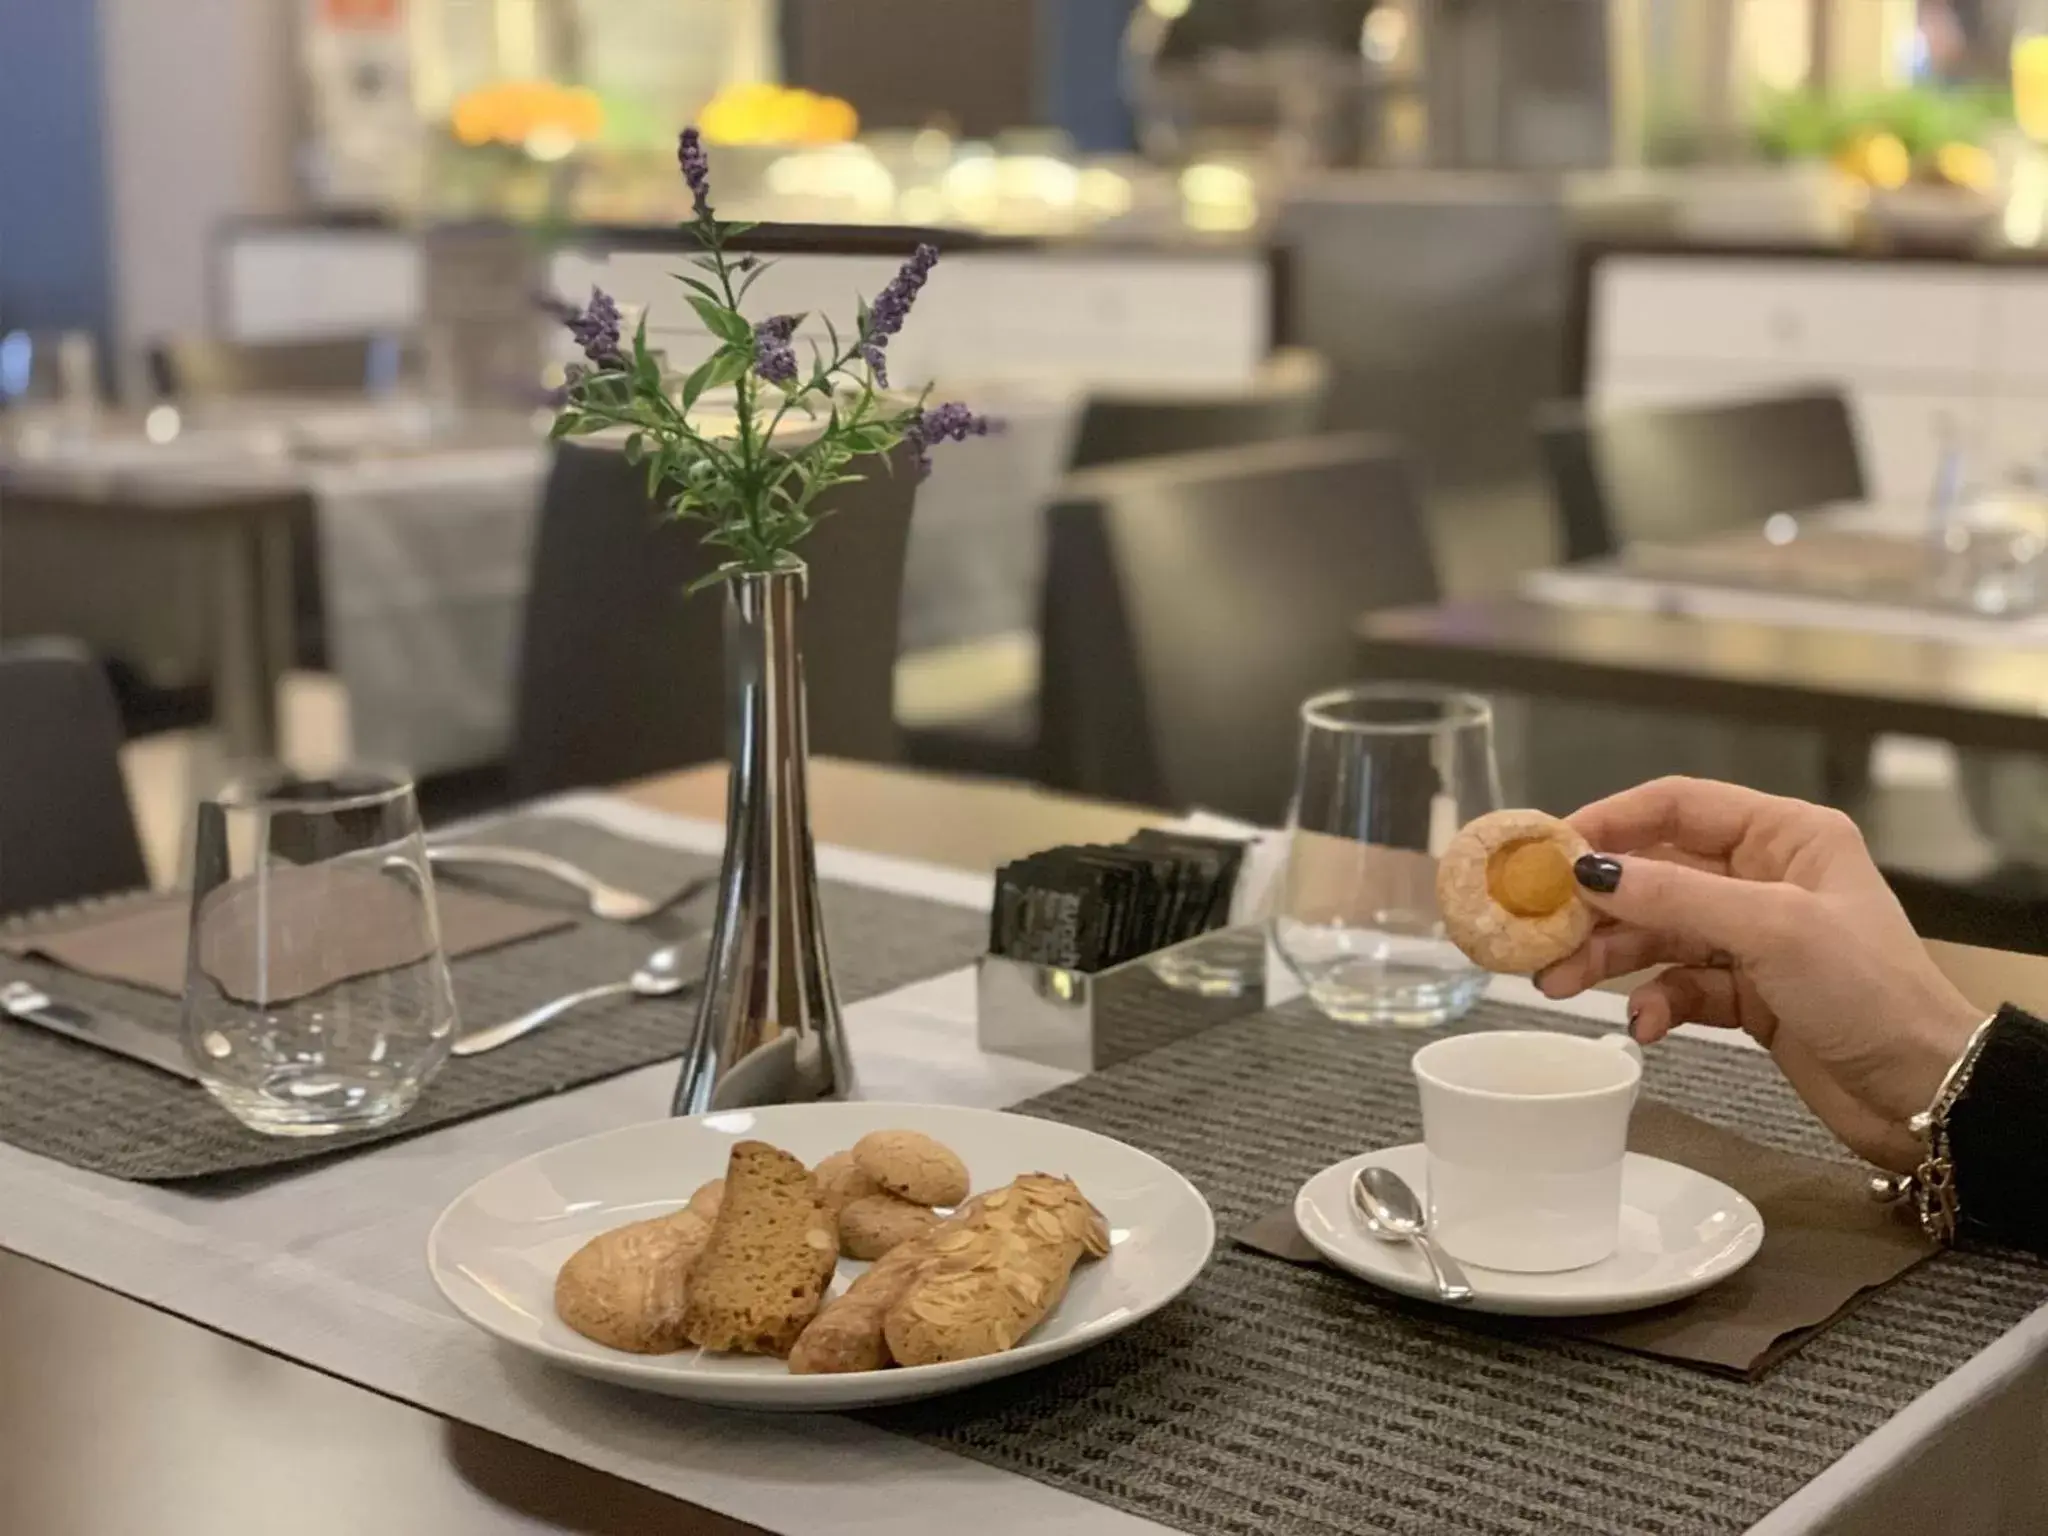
[1387, 774]
[317, 997]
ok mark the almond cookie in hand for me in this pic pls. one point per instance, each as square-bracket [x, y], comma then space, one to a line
[771, 1253]
[872, 1225]
[994, 1280]
[911, 1164]
[625, 1288]
[1505, 888]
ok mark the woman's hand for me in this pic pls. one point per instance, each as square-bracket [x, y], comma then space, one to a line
[1774, 920]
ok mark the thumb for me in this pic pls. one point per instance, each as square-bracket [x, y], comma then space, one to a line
[1742, 918]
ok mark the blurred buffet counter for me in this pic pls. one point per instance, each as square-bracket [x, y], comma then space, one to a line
[1448, 305]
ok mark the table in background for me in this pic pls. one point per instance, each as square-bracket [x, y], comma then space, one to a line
[186, 550]
[210, 1435]
[1852, 684]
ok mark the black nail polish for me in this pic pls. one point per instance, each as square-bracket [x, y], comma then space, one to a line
[1597, 872]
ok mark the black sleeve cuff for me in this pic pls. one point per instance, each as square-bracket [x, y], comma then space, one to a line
[1998, 1136]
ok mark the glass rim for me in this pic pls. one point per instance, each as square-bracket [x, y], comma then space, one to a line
[1462, 710]
[252, 787]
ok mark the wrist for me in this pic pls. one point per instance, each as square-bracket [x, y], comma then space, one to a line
[1939, 1037]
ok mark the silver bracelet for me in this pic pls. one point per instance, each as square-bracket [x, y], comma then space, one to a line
[1933, 1184]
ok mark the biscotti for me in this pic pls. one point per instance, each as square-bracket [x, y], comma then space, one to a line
[771, 1254]
[626, 1288]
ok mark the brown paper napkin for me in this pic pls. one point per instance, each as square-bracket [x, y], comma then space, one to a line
[349, 922]
[1826, 1245]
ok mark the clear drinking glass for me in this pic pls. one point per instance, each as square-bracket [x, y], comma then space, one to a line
[317, 996]
[1387, 774]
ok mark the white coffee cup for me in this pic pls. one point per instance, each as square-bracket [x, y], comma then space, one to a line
[1526, 1132]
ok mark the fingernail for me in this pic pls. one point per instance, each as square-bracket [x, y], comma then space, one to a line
[1635, 1019]
[1597, 872]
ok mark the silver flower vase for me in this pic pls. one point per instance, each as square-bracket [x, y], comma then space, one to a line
[768, 1026]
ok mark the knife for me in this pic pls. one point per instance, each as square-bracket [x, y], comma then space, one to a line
[31, 1005]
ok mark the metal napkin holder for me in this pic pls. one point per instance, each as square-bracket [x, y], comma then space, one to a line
[1083, 1021]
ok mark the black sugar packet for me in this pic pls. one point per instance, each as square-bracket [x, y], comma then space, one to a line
[1088, 907]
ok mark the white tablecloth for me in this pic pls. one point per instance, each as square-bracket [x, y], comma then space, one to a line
[327, 1267]
[424, 569]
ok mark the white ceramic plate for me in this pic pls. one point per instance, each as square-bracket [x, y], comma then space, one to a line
[496, 1250]
[1680, 1233]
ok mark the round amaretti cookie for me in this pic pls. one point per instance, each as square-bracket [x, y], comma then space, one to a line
[1505, 888]
[870, 1226]
[911, 1164]
[840, 1182]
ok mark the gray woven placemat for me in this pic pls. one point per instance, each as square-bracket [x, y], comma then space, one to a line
[1275, 1398]
[105, 1113]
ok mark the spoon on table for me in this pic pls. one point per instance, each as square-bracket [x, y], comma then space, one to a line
[604, 900]
[662, 974]
[1392, 1213]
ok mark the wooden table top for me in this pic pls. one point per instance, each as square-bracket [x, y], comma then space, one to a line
[1851, 683]
[124, 1419]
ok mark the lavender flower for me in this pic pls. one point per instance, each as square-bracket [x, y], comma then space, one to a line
[892, 308]
[774, 355]
[558, 397]
[952, 422]
[596, 330]
[696, 168]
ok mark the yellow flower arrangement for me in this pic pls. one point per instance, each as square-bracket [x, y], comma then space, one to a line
[521, 112]
[764, 114]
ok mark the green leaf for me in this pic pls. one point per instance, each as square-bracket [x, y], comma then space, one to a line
[869, 439]
[563, 425]
[588, 425]
[700, 379]
[697, 285]
[636, 447]
[738, 229]
[728, 366]
[728, 325]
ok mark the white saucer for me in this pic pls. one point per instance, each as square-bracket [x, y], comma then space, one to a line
[495, 1250]
[1680, 1233]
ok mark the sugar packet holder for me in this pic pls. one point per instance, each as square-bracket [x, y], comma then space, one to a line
[1082, 1021]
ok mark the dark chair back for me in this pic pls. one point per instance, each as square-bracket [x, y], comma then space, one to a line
[1192, 603]
[206, 367]
[66, 831]
[1285, 400]
[621, 675]
[1675, 473]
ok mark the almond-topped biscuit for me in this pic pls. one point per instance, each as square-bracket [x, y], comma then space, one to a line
[626, 1288]
[771, 1253]
[872, 1225]
[993, 1279]
[913, 1165]
[1505, 888]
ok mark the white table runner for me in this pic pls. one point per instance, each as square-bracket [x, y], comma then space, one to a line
[327, 1267]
